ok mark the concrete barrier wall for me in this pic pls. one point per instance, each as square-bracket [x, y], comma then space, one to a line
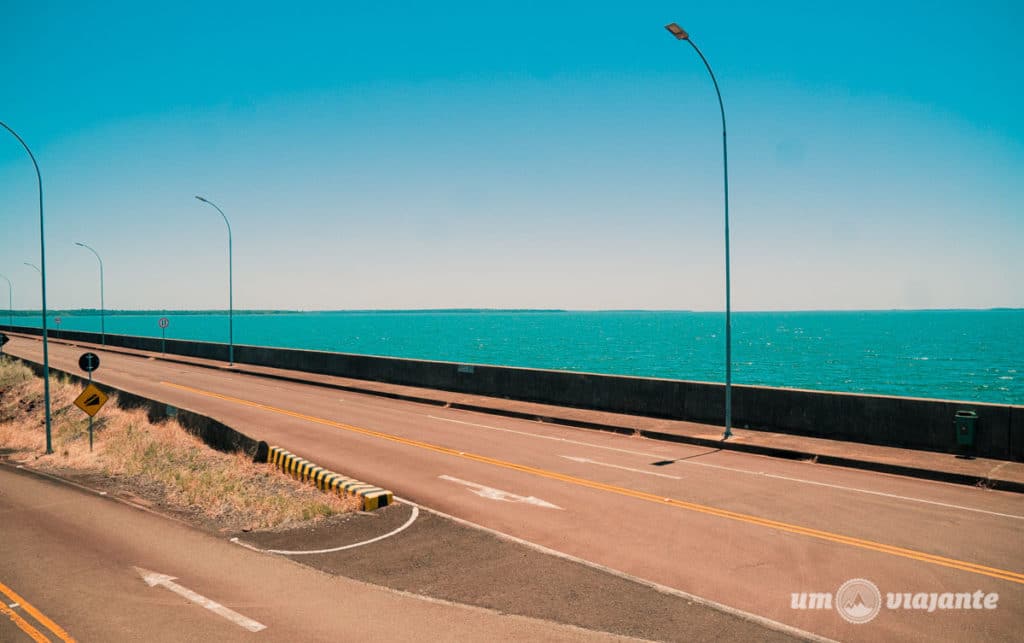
[1015, 433]
[874, 419]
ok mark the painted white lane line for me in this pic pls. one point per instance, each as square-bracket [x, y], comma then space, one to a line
[719, 467]
[153, 579]
[497, 494]
[615, 466]
[412, 519]
[545, 437]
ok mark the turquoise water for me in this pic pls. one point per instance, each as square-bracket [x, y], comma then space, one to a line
[965, 355]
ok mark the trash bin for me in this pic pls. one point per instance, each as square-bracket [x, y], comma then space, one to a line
[964, 422]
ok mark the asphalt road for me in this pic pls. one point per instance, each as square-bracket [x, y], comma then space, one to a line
[70, 566]
[742, 530]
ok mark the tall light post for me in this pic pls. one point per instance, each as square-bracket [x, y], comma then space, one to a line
[42, 279]
[103, 328]
[36, 268]
[680, 34]
[231, 286]
[10, 301]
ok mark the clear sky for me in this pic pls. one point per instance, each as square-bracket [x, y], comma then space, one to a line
[515, 155]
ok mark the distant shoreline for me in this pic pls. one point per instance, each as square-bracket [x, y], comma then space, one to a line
[86, 312]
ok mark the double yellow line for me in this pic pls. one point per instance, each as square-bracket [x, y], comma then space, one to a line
[974, 568]
[24, 625]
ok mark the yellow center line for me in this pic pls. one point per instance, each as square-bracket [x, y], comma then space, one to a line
[23, 625]
[1013, 577]
[36, 614]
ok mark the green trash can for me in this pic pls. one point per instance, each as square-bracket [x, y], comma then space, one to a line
[964, 422]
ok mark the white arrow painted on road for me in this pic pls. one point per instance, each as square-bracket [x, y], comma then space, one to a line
[153, 579]
[497, 494]
[615, 466]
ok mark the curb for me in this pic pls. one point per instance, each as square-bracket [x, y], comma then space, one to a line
[304, 470]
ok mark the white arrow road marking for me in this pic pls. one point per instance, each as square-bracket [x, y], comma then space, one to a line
[153, 579]
[615, 466]
[498, 494]
[719, 467]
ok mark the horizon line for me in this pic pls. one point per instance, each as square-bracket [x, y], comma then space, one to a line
[67, 311]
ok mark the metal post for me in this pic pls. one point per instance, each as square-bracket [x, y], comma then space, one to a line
[231, 286]
[90, 418]
[103, 328]
[680, 34]
[42, 274]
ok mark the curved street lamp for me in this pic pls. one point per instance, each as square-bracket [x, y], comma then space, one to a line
[231, 286]
[42, 279]
[680, 34]
[36, 268]
[103, 329]
[10, 300]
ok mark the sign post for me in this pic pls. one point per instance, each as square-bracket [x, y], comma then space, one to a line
[163, 323]
[92, 399]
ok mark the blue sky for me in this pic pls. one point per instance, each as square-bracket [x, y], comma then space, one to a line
[515, 155]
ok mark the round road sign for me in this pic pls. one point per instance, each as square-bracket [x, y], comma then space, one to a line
[89, 362]
[164, 322]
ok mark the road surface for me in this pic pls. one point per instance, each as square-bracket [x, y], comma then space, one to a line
[750, 532]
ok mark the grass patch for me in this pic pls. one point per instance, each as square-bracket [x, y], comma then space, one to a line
[161, 462]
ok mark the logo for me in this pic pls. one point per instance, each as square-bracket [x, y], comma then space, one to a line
[858, 600]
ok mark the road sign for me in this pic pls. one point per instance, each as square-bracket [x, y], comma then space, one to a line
[57, 320]
[164, 322]
[89, 362]
[4, 339]
[91, 400]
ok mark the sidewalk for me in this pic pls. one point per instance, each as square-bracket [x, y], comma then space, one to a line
[996, 474]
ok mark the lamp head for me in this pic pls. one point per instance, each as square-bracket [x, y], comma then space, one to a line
[201, 199]
[79, 243]
[677, 31]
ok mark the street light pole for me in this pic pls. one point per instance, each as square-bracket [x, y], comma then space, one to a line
[42, 279]
[231, 286]
[36, 268]
[680, 34]
[10, 301]
[103, 327]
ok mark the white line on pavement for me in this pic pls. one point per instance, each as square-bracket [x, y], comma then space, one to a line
[412, 519]
[615, 466]
[497, 494]
[153, 579]
[734, 470]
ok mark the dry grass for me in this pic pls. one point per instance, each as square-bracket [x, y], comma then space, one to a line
[161, 461]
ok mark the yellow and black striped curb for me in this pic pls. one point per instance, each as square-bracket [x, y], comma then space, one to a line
[373, 497]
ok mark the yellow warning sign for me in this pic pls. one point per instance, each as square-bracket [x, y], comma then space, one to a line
[91, 400]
